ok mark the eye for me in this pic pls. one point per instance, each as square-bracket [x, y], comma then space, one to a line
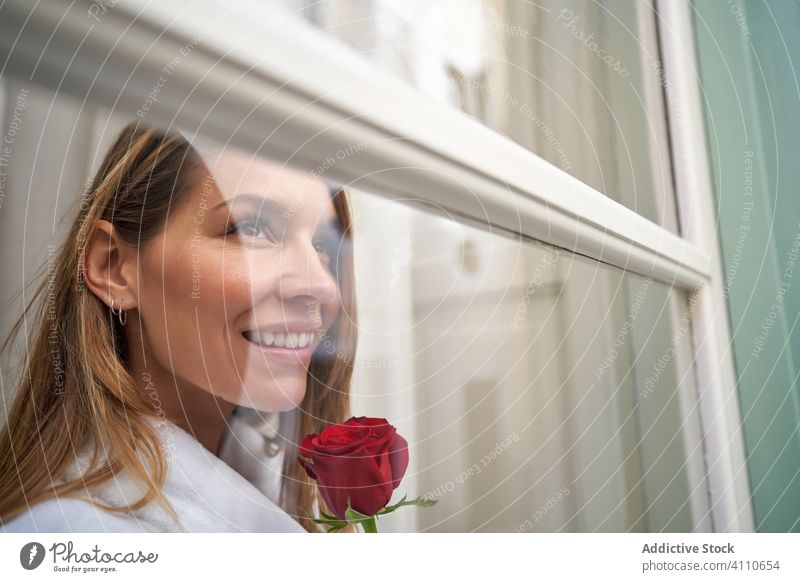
[322, 246]
[251, 228]
[326, 245]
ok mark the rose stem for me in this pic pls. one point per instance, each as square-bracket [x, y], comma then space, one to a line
[369, 525]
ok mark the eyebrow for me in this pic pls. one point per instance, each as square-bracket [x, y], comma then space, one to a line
[254, 199]
[274, 206]
[330, 228]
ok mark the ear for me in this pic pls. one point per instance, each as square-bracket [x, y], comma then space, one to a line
[110, 267]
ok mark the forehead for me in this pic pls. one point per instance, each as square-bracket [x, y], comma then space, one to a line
[302, 195]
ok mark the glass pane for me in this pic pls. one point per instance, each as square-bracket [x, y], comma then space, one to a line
[579, 83]
[546, 392]
[537, 391]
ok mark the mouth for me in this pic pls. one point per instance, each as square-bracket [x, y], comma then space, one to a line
[287, 347]
[288, 340]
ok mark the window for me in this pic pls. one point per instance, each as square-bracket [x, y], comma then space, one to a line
[545, 392]
[581, 85]
[512, 278]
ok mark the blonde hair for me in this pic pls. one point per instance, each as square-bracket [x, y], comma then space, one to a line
[75, 387]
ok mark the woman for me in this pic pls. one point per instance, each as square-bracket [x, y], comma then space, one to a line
[191, 291]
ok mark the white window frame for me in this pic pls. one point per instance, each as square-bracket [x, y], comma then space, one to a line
[716, 376]
[281, 88]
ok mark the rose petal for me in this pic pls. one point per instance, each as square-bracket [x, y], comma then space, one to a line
[363, 459]
[360, 479]
[398, 458]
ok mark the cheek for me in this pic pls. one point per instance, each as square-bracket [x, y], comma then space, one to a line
[184, 293]
[220, 292]
[172, 286]
[200, 276]
[243, 279]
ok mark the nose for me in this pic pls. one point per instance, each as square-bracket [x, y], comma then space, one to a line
[306, 276]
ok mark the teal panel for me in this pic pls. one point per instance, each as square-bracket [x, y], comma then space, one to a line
[749, 56]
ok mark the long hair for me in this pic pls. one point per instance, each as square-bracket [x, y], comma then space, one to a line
[75, 386]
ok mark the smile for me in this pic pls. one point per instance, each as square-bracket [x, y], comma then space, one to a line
[279, 340]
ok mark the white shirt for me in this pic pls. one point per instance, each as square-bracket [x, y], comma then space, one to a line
[209, 493]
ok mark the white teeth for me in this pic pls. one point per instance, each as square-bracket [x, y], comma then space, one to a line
[288, 340]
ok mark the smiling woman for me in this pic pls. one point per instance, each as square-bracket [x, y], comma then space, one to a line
[210, 280]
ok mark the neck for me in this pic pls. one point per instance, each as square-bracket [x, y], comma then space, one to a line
[197, 411]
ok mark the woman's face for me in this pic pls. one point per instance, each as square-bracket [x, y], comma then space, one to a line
[237, 292]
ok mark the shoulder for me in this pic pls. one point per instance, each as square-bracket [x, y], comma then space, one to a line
[74, 516]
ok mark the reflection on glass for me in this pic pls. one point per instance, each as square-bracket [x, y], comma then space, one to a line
[199, 305]
[579, 83]
[538, 391]
[545, 392]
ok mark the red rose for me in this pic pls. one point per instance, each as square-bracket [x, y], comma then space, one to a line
[363, 459]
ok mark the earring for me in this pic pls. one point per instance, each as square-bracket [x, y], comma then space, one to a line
[122, 315]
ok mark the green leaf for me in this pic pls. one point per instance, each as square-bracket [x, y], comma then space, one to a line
[391, 508]
[354, 516]
[423, 502]
[329, 520]
[326, 516]
[419, 502]
[367, 522]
